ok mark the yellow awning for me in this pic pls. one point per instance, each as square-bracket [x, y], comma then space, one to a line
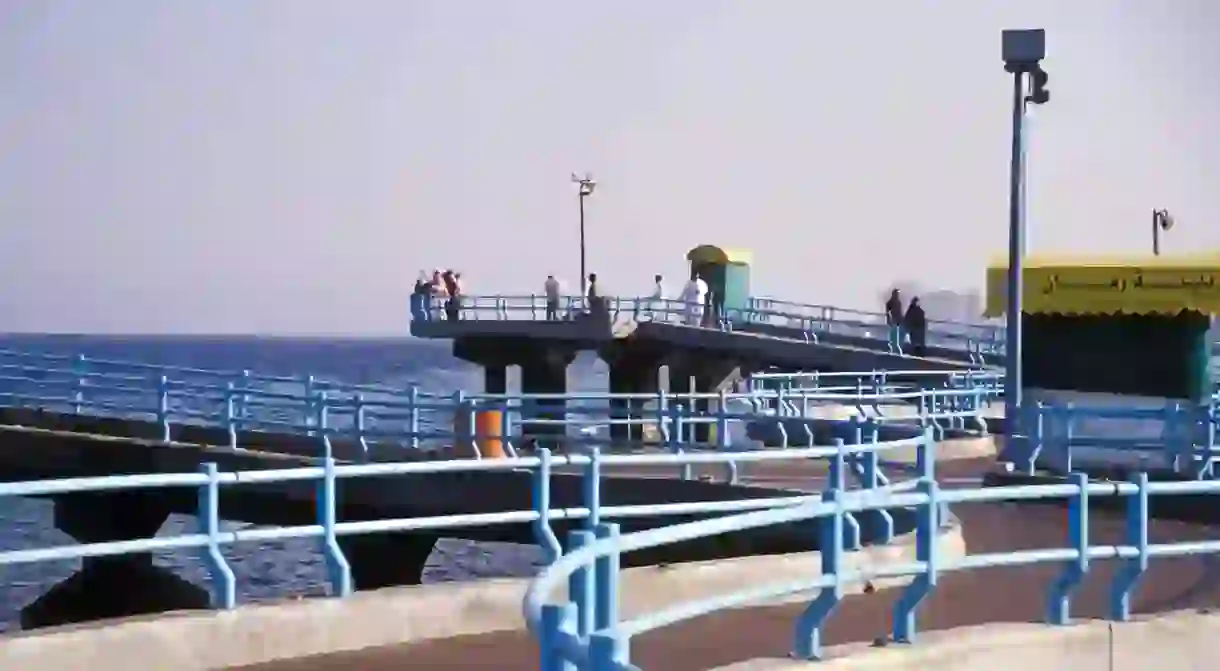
[1151, 285]
[713, 254]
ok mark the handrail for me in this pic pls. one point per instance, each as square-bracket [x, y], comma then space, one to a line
[586, 631]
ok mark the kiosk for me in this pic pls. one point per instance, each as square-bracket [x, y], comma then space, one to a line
[1127, 334]
[727, 273]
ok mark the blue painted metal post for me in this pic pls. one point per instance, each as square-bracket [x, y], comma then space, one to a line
[556, 621]
[163, 407]
[413, 413]
[544, 535]
[1016, 245]
[926, 551]
[81, 368]
[338, 569]
[224, 582]
[1126, 579]
[807, 635]
[1059, 601]
[605, 580]
[580, 585]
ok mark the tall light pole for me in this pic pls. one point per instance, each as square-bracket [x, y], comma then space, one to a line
[586, 189]
[1023, 51]
[1161, 221]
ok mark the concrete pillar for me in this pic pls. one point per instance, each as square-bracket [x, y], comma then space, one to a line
[621, 382]
[495, 379]
[546, 372]
[387, 560]
[110, 587]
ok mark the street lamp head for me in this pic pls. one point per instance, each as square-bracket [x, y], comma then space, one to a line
[586, 183]
[1023, 49]
[1163, 219]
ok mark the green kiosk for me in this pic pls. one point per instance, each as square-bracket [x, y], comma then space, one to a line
[1113, 335]
[727, 273]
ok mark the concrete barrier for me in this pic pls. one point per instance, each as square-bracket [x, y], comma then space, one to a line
[203, 641]
[1179, 641]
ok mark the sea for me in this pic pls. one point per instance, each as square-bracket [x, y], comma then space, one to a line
[272, 570]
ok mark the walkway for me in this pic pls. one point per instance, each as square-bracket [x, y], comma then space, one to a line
[961, 598]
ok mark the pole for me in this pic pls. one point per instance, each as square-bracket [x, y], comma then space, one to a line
[1156, 234]
[1016, 243]
[584, 277]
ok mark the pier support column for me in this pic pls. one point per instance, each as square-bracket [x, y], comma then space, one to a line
[495, 379]
[110, 587]
[703, 376]
[546, 372]
[633, 370]
[387, 560]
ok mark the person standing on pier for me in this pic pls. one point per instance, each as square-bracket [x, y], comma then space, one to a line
[551, 288]
[451, 292]
[437, 295]
[916, 323]
[656, 302]
[893, 319]
[420, 298]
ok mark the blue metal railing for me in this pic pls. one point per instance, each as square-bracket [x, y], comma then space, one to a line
[586, 633]
[811, 322]
[246, 401]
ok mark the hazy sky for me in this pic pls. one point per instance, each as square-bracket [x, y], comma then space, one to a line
[288, 166]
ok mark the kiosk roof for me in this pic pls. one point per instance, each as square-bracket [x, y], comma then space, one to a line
[1097, 285]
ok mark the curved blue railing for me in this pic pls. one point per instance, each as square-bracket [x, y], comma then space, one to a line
[586, 632]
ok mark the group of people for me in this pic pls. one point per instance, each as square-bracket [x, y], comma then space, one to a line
[910, 325]
[595, 302]
[696, 299]
[438, 297]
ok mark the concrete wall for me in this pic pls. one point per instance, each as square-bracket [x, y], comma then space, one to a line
[202, 641]
[1181, 641]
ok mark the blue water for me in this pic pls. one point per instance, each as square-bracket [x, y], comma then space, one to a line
[266, 570]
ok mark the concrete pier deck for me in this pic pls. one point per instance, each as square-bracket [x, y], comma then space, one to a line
[993, 595]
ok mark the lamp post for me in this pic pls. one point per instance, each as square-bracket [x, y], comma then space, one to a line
[1161, 221]
[1022, 51]
[586, 189]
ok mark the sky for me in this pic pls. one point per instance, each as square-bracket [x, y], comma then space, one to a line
[289, 166]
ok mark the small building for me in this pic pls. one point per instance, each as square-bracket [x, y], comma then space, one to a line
[1122, 333]
[727, 273]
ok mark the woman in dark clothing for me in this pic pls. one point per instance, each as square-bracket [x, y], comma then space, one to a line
[916, 323]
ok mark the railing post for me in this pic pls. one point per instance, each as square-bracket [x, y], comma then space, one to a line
[80, 368]
[927, 528]
[580, 584]
[163, 407]
[338, 569]
[807, 635]
[556, 621]
[541, 495]
[244, 409]
[309, 400]
[413, 415]
[606, 580]
[1059, 600]
[230, 420]
[322, 407]
[591, 487]
[224, 583]
[1127, 578]
[360, 424]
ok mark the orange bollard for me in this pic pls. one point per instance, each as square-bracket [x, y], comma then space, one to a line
[488, 427]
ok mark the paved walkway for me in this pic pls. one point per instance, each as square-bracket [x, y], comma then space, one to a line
[1012, 594]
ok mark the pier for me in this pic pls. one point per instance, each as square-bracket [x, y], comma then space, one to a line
[853, 474]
